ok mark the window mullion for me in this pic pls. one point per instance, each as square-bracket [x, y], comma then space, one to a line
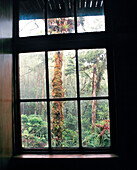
[46, 29]
[16, 20]
[75, 15]
[78, 96]
[48, 102]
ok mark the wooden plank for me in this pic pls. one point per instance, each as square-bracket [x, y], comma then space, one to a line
[5, 83]
[66, 156]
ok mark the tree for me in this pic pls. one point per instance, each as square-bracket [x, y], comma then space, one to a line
[92, 64]
[57, 92]
[94, 87]
[96, 84]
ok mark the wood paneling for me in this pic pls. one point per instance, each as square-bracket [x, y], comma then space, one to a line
[5, 82]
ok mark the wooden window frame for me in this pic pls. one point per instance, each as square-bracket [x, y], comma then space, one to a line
[74, 41]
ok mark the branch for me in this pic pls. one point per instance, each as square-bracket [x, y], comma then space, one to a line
[32, 69]
[85, 68]
[25, 25]
[100, 74]
[87, 104]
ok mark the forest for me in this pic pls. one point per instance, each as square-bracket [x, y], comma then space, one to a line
[93, 82]
[67, 78]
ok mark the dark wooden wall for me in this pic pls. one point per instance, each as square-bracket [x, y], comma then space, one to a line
[5, 82]
[125, 28]
[125, 56]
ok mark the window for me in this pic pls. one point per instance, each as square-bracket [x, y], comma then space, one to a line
[61, 17]
[64, 102]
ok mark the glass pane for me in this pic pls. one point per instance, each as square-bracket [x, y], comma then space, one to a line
[34, 127]
[95, 123]
[93, 72]
[64, 124]
[62, 74]
[32, 75]
[90, 16]
[31, 18]
[60, 16]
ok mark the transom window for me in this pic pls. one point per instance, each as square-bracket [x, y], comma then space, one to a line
[61, 16]
[63, 96]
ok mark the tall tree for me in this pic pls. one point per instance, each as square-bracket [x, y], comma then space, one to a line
[92, 72]
[94, 89]
[97, 77]
[57, 92]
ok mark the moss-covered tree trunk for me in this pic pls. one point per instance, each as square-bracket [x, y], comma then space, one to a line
[57, 92]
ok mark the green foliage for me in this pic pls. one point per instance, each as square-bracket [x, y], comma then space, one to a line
[92, 138]
[34, 131]
[24, 119]
[70, 138]
[35, 120]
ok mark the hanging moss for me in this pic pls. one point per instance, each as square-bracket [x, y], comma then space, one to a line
[57, 92]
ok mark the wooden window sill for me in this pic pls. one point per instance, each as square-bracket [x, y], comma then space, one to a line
[66, 156]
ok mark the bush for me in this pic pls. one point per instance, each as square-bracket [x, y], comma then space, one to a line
[34, 132]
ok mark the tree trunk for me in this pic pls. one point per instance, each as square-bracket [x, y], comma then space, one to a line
[100, 74]
[42, 93]
[94, 88]
[57, 92]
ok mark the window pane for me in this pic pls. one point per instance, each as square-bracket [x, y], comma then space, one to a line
[32, 75]
[60, 16]
[95, 123]
[62, 73]
[90, 16]
[93, 72]
[31, 18]
[64, 124]
[34, 125]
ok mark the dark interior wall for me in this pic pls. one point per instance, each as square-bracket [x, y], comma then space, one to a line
[125, 56]
[126, 79]
[5, 82]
